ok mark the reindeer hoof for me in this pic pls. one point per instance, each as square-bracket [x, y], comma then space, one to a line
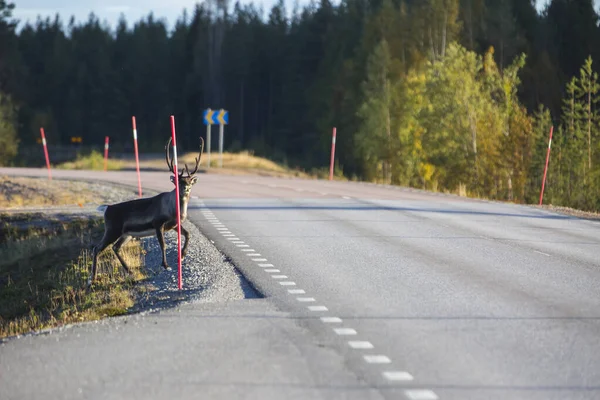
[168, 268]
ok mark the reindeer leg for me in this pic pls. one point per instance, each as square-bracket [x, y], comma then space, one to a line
[186, 235]
[117, 247]
[108, 238]
[161, 241]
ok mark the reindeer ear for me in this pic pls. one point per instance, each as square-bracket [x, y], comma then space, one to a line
[173, 179]
[194, 180]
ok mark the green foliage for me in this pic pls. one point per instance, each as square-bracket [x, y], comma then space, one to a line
[92, 161]
[432, 93]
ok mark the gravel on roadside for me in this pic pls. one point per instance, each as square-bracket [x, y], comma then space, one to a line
[208, 276]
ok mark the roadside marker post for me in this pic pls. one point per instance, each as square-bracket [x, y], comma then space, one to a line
[105, 153]
[177, 197]
[546, 167]
[332, 154]
[46, 153]
[137, 159]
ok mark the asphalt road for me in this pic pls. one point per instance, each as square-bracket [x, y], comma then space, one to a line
[370, 292]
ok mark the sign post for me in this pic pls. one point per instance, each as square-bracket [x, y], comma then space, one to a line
[137, 160]
[546, 167]
[46, 153]
[223, 119]
[332, 155]
[178, 207]
[208, 121]
[105, 153]
[211, 117]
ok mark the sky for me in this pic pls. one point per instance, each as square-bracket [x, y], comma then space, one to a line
[110, 10]
[133, 10]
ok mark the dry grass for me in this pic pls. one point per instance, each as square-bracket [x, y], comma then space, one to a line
[28, 192]
[233, 163]
[93, 161]
[45, 259]
[44, 275]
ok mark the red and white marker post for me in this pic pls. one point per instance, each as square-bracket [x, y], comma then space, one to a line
[546, 168]
[46, 153]
[137, 160]
[105, 153]
[178, 206]
[332, 155]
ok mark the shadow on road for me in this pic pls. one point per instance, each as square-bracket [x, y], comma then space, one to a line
[384, 208]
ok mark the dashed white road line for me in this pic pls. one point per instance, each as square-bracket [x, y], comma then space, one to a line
[377, 359]
[331, 320]
[419, 394]
[360, 344]
[344, 331]
[398, 376]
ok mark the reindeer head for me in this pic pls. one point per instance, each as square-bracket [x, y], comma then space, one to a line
[185, 182]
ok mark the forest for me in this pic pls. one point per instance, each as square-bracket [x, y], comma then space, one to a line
[448, 95]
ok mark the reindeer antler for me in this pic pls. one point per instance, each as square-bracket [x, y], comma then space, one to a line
[197, 158]
[169, 161]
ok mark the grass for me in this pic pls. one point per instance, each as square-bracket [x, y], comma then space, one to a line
[43, 275]
[29, 192]
[92, 161]
[45, 260]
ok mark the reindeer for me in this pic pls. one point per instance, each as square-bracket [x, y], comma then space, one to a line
[147, 217]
